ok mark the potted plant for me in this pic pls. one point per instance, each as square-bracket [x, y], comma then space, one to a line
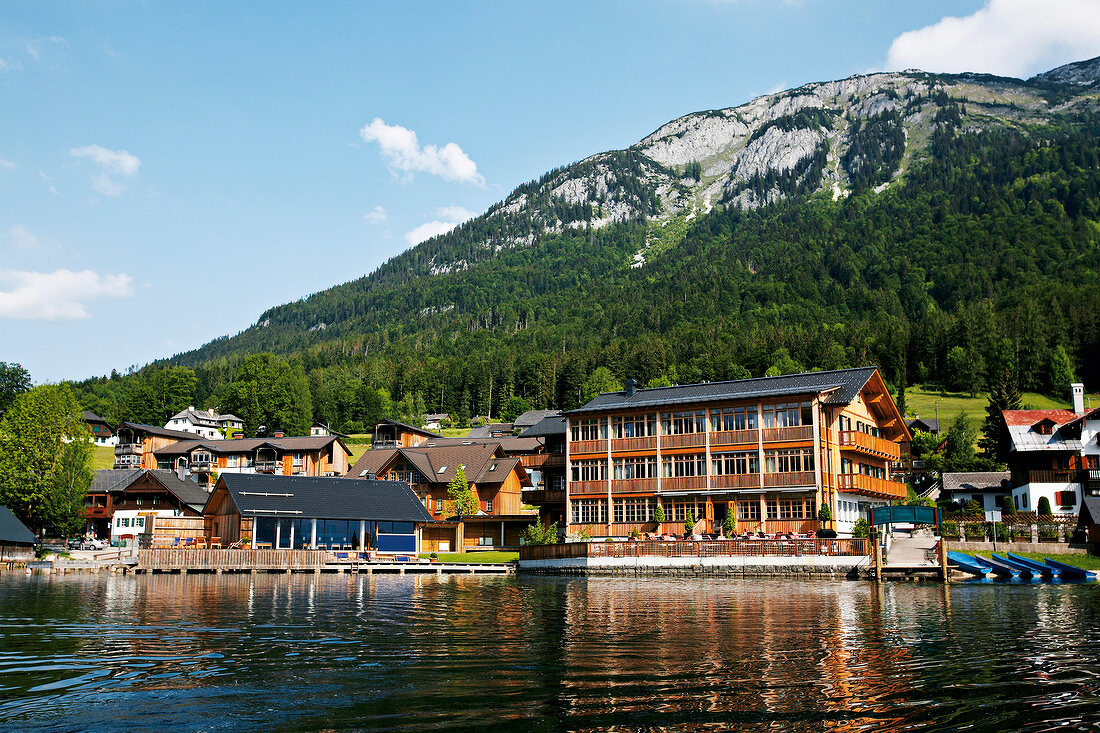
[433, 557]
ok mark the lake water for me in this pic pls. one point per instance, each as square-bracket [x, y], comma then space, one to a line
[304, 652]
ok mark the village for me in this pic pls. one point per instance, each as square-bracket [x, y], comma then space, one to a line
[773, 475]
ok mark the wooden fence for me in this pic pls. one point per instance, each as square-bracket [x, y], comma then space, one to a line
[232, 559]
[183, 527]
[700, 548]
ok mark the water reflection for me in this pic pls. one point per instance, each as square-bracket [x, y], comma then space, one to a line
[304, 652]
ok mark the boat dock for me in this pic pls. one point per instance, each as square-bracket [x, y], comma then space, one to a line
[302, 561]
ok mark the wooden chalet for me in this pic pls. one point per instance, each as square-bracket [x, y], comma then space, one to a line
[770, 452]
[547, 468]
[495, 478]
[129, 504]
[137, 444]
[311, 512]
[101, 431]
[393, 434]
[314, 455]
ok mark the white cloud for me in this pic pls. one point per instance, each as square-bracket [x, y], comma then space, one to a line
[377, 216]
[402, 152]
[59, 295]
[119, 162]
[449, 218]
[115, 161]
[1006, 37]
[23, 238]
[7, 164]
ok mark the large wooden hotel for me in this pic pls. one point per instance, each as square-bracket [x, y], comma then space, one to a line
[770, 452]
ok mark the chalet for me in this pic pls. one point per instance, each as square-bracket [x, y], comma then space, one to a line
[435, 420]
[988, 488]
[310, 512]
[496, 479]
[770, 452]
[1088, 522]
[137, 444]
[492, 430]
[305, 455]
[16, 541]
[547, 469]
[923, 425]
[393, 434]
[101, 431]
[125, 504]
[1054, 454]
[205, 423]
[531, 418]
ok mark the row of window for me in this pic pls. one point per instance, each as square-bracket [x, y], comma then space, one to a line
[846, 423]
[867, 469]
[780, 460]
[594, 511]
[137, 522]
[438, 503]
[781, 415]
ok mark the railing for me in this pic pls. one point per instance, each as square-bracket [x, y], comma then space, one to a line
[578, 447]
[870, 444]
[735, 437]
[203, 466]
[540, 496]
[90, 512]
[858, 483]
[588, 487]
[542, 460]
[634, 485]
[199, 559]
[684, 440]
[629, 444]
[735, 481]
[127, 462]
[683, 483]
[802, 478]
[385, 444]
[700, 548]
[787, 435]
[128, 449]
[267, 466]
[777, 526]
[1056, 476]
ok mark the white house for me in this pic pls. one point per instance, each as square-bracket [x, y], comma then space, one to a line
[205, 423]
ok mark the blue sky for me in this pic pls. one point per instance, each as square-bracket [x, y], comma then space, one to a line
[170, 170]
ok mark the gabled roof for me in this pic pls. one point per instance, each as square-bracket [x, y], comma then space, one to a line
[89, 416]
[438, 464]
[111, 479]
[249, 445]
[186, 491]
[407, 428]
[486, 431]
[926, 424]
[842, 386]
[205, 417]
[1024, 438]
[12, 531]
[154, 430]
[546, 427]
[532, 417]
[978, 481]
[1090, 511]
[316, 497]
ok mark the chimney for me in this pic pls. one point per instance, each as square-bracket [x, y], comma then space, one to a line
[631, 387]
[277, 434]
[181, 471]
[1078, 391]
[238, 435]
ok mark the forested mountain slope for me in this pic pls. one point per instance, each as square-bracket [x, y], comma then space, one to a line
[943, 227]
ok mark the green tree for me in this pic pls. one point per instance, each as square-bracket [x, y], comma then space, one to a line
[729, 525]
[72, 477]
[1003, 395]
[1008, 506]
[689, 522]
[14, 380]
[783, 363]
[600, 381]
[272, 392]
[463, 499]
[1059, 372]
[659, 514]
[540, 534]
[513, 408]
[861, 529]
[972, 507]
[35, 483]
[1043, 508]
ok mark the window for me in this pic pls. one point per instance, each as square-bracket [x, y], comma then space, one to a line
[232, 461]
[590, 470]
[630, 468]
[684, 465]
[733, 418]
[1065, 499]
[489, 506]
[299, 459]
[1092, 462]
[139, 501]
[846, 465]
[748, 510]
[870, 470]
[723, 464]
[557, 483]
[438, 506]
[633, 510]
[679, 423]
[634, 426]
[404, 471]
[589, 511]
[591, 428]
[789, 460]
[677, 511]
[787, 414]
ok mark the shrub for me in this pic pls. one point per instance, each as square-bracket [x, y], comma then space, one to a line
[1009, 508]
[861, 529]
[729, 526]
[1002, 532]
[540, 534]
[689, 522]
[659, 515]
[1044, 507]
[973, 507]
[949, 529]
[824, 513]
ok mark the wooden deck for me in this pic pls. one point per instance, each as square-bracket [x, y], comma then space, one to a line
[301, 561]
[700, 548]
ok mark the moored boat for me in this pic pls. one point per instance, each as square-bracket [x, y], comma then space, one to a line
[1071, 571]
[968, 564]
[1035, 566]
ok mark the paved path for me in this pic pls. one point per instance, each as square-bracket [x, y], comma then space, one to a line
[911, 551]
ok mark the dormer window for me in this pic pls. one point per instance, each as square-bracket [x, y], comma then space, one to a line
[1044, 426]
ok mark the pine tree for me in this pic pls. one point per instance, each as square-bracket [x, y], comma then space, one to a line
[463, 498]
[1003, 395]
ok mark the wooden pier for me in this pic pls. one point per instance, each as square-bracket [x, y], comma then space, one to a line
[300, 561]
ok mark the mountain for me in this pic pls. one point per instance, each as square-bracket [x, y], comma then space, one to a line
[892, 218]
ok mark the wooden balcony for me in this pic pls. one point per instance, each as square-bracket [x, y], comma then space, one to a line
[583, 447]
[802, 478]
[858, 483]
[128, 449]
[684, 483]
[541, 497]
[870, 445]
[127, 462]
[579, 488]
[788, 435]
[1058, 476]
[202, 466]
[634, 444]
[634, 485]
[736, 481]
[684, 440]
[542, 460]
[268, 466]
[735, 437]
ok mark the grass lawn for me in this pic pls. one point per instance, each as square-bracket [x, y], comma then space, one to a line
[924, 402]
[496, 558]
[103, 457]
[1085, 562]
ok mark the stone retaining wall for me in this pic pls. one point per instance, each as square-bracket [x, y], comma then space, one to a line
[1050, 548]
[732, 567]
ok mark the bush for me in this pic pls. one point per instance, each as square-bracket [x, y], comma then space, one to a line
[1009, 507]
[689, 522]
[973, 507]
[949, 529]
[1002, 532]
[540, 534]
[824, 513]
[659, 515]
[861, 529]
[1044, 507]
[729, 526]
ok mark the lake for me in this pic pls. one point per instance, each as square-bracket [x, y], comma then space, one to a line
[316, 652]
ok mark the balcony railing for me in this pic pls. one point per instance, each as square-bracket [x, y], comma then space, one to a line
[801, 478]
[127, 462]
[541, 497]
[1057, 476]
[542, 460]
[684, 440]
[683, 483]
[128, 449]
[202, 466]
[633, 485]
[858, 483]
[268, 466]
[789, 434]
[736, 481]
[642, 443]
[870, 445]
[578, 447]
[587, 487]
[735, 437]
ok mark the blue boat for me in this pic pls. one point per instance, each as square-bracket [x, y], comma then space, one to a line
[1071, 571]
[1036, 567]
[966, 563]
[1004, 567]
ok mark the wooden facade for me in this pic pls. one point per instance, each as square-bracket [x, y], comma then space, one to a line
[771, 459]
